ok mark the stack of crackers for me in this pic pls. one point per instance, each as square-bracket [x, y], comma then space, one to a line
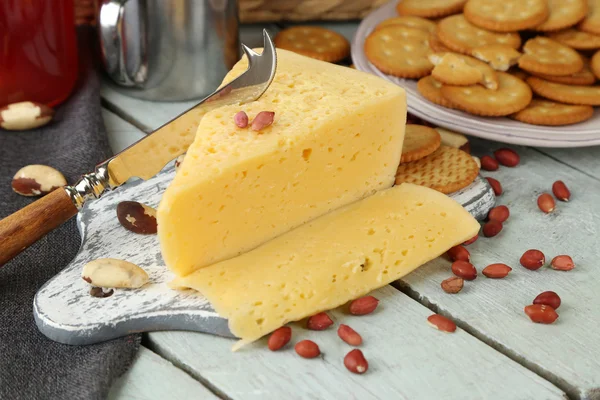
[536, 61]
[436, 158]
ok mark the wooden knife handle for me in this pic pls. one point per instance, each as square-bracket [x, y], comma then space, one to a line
[26, 226]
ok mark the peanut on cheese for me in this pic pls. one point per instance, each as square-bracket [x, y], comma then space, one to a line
[332, 259]
[336, 138]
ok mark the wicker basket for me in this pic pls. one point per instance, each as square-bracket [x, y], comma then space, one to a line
[271, 10]
[305, 10]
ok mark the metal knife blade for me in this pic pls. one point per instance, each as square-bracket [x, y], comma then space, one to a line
[148, 156]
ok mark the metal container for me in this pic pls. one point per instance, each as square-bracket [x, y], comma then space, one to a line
[168, 50]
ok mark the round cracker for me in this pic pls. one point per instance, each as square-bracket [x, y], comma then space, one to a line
[409, 21]
[595, 64]
[576, 39]
[584, 95]
[419, 141]
[460, 35]
[545, 112]
[487, 75]
[591, 22]
[431, 90]
[500, 57]
[436, 45]
[451, 70]
[430, 8]
[399, 51]
[446, 170]
[585, 77]
[563, 14]
[506, 15]
[315, 42]
[511, 96]
[546, 56]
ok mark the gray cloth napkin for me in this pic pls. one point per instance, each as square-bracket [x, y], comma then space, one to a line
[32, 366]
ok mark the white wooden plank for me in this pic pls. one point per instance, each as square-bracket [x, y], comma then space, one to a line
[565, 352]
[407, 360]
[152, 377]
[584, 159]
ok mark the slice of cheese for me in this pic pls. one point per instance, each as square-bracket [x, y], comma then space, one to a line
[337, 137]
[333, 259]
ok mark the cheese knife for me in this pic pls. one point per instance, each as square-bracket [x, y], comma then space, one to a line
[143, 159]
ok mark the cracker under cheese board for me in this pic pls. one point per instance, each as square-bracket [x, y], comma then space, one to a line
[277, 212]
[494, 128]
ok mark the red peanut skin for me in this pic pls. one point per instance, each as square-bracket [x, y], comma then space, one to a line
[492, 228]
[364, 305]
[495, 184]
[349, 335]
[441, 323]
[488, 163]
[541, 314]
[548, 298]
[507, 157]
[356, 362]
[533, 259]
[279, 338]
[319, 322]
[464, 269]
[307, 349]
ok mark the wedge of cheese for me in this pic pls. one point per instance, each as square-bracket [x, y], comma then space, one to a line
[333, 259]
[337, 137]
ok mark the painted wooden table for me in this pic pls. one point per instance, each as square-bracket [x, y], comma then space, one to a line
[497, 353]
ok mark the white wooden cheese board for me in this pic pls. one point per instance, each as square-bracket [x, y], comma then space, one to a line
[65, 311]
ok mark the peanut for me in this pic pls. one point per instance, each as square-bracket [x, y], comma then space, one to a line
[548, 298]
[541, 313]
[307, 349]
[453, 284]
[561, 191]
[241, 119]
[507, 157]
[464, 269]
[364, 305]
[533, 259]
[279, 338]
[457, 253]
[472, 240]
[349, 335]
[562, 263]
[546, 203]
[356, 362]
[492, 228]
[488, 163]
[319, 322]
[495, 185]
[441, 323]
[499, 213]
[496, 271]
[262, 120]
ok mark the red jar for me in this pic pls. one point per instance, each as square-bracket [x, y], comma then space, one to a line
[38, 51]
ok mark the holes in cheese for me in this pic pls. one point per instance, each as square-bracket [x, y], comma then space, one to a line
[336, 138]
[333, 259]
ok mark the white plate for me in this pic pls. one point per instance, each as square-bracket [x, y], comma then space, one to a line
[500, 129]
